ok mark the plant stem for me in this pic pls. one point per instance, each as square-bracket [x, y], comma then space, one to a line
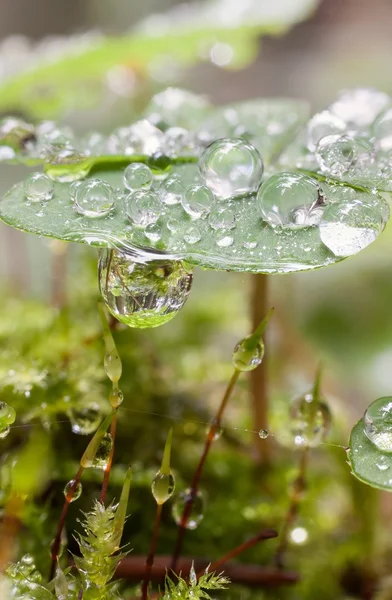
[297, 491]
[151, 554]
[266, 534]
[59, 273]
[196, 477]
[106, 476]
[259, 376]
[57, 540]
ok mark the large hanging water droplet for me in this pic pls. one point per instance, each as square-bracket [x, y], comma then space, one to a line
[336, 155]
[348, 227]
[39, 188]
[247, 354]
[197, 512]
[142, 295]
[290, 200]
[231, 167]
[359, 107]
[7, 414]
[310, 421]
[77, 491]
[85, 419]
[137, 176]
[102, 455]
[198, 201]
[94, 198]
[162, 487]
[378, 423]
[382, 130]
[322, 124]
[143, 207]
[222, 218]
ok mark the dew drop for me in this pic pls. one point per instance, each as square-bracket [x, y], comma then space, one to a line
[143, 207]
[231, 167]
[162, 487]
[310, 421]
[321, 125]
[113, 365]
[222, 218]
[378, 423]
[192, 235]
[223, 240]
[94, 198]
[173, 225]
[263, 434]
[247, 355]
[197, 512]
[77, 491]
[142, 295]
[160, 166]
[171, 190]
[4, 431]
[85, 419]
[250, 241]
[382, 464]
[39, 188]
[288, 200]
[102, 455]
[198, 201]
[153, 232]
[137, 176]
[7, 413]
[116, 397]
[16, 133]
[348, 227]
[218, 432]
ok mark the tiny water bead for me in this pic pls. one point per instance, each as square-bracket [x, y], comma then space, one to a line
[137, 176]
[217, 432]
[192, 235]
[231, 167]
[222, 218]
[321, 125]
[336, 155]
[39, 188]
[102, 455]
[289, 200]
[143, 207]
[77, 491]
[85, 419]
[248, 354]
[197, 512]
[198, 201]
[162, 487]
[7, 414]
[171, 190]
[378, 423]
[153, 232]
[310, 421]
[94, 198]
[348, 227]
[142, 295]
[263, 434]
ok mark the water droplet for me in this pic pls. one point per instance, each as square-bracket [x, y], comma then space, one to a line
[382, 130]
[248, 354]
[102, 455]
[160, 166]
[378, 423]
[113, 365]
[197, 512]
[223, 240]
[198, 201]
[140, 138]
[39, 188]
[4, 431]
[7, 414]
[263, 434]
[222, 218]
[382, 463]
[359, 107]
[310, 421]
[288, 200]
[116, 397]
[142, 295]
[94, 198]
[192, 235]
[85, 419]
[337, 155]
[143, 207]
[231, 167]
[153, 232]
[348, 227]
[218, 431]
[250, 241]
[77, 491]
[321, 125]
[137, 176]
[171, 190]
[162, 487]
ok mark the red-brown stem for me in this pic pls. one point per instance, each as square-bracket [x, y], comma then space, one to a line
[266, 534]
[57, 540]
[196, 477]
[297, 491]
[106, 476]
[151, 554]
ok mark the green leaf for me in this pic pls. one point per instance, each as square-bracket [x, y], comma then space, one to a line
[369, 464]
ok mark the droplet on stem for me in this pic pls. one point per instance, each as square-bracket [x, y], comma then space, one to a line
[197, 512]
[77, 492]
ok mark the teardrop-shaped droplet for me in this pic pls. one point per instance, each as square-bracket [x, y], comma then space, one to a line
[77, 490]
[378, 423]
[322, 124]
[116, 397]
[137, 176]
[143, 207]
[289, 200]
[39, 188]
[94, 198]
[7, 413]
[198, 201]
[231, 167]
[102, 455]
[247, 354]
[310, 421]
[85, 419]
[142, 295]
[197, 512]
[113, 365]
[163, 487]
[348, 227]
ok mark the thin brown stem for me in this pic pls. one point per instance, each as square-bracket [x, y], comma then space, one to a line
[55, 548]
[106, 476]
[151, 554]
[259, 376]
[197, 475]
[59, 273]
[297, 492]
[266, 534]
